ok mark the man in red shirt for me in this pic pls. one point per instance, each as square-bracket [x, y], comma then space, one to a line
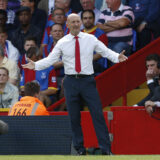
[88, 18]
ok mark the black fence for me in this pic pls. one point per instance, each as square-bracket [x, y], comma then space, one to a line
[36, 135]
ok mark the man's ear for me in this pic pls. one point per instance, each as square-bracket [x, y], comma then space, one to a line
[65, 19]
[6, 36]
[8, 78]
[37, 95]
[67, 24]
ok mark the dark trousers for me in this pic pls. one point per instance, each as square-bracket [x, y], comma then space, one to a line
[74, 89]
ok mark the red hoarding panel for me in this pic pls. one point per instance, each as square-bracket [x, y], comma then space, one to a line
[134, 131]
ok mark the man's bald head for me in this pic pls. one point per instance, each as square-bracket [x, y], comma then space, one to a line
[72, 15]
[74, 23]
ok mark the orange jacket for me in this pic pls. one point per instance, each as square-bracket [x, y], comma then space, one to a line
[28, 106]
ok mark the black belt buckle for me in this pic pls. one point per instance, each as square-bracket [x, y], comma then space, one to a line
[77, 76]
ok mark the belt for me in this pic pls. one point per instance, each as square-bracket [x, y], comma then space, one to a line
[79, 75]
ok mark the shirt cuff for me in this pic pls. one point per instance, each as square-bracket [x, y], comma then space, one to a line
[157, 103]
[150, 81]
[144, 22]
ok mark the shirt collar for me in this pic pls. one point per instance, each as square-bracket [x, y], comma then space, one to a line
[79, 35]
[4, 60]
[119, 9]
[91, 30]
[6, 88]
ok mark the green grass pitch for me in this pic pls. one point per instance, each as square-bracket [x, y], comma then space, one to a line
[55, 157]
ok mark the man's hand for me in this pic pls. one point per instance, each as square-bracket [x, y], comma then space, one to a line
[58, 65]
[29, 65]
[149, 107]
[149, 103]
[96, 56]
[141, 27]
[150, 74]
[149, 110]
[122, 57]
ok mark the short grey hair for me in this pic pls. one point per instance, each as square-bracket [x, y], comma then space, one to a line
[1, 51]
[81, 1]
[66, 1]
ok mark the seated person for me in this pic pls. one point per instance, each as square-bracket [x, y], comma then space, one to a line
[10, 51]
[153, 102]
[3, 22]
[25, 29]
[38, 16]
[59, 4]
[152, 76]
[58, 16]
[56, 33]
[30, 104]
[147, 22]
[11, 66]
[116, 21]
[29, 41]
[8, 93]
[10, 13]
[90, 4]
[46, 78]
[64, 5]
[88, 18]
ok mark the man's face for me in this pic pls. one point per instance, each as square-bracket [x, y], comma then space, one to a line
[59, 4]
[111, 3]
[3, 76]
[74, 24]
[58, 17]
[3, 4]
[28, 44]
[34, 58]
[25, 3]
[57, 32]
[152, 65]
[24, 17]
[3, 20]
[88, 4]
[88, 20]
[3, 38]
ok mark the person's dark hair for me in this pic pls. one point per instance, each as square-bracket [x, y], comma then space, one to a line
[154, 57]
[3, 12]
[7, 71]
[30, 38]
[35, 2]
[23, 9]
[3, 30]
[33, 51]
[58, 9]
[1, 51]
[88, 10]
[57, 24]
[31, 88]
